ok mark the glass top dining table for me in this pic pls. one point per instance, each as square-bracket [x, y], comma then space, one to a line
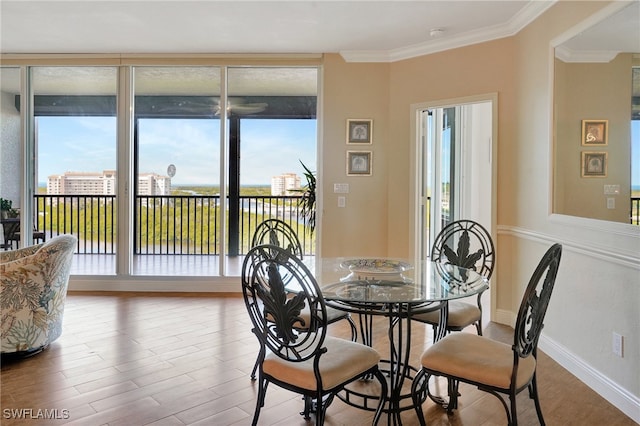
[396, 289]
[390, 280]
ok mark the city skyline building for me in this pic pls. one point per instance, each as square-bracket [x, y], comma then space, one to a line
[104, 183]
[285, 184]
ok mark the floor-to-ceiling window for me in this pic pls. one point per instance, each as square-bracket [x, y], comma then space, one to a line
[177, 167]
[197, 199]
[272, 137]
[197, 156]
[73, 136]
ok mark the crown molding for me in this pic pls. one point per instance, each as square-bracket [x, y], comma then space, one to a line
[523, 18]
[600, 56]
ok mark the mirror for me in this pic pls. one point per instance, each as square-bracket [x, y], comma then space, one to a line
[596, 135]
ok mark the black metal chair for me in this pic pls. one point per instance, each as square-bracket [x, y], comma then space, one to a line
[495, 367]
[10, 227]
[295, 351]
[278, 233]
[468, 244]
[11, 230]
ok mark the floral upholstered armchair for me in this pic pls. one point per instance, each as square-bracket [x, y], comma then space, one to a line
[33, 289]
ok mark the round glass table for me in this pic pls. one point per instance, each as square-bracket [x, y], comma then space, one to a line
[396, 289]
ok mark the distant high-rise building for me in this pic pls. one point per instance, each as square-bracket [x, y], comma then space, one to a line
[153, 184]
[96, 183]
[82, 183]
[284, 184]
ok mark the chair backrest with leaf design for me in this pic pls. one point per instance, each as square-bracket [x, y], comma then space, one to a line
[277, 233]
[275, 311]
[467, 244]
[529, 322]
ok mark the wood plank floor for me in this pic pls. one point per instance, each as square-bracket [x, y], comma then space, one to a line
[173, 359]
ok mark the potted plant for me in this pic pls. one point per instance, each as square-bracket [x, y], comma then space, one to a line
[308, 201]
[6, 209]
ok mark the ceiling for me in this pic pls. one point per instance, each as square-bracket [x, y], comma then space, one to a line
[604, 38]
[360, 30]
[374, 31]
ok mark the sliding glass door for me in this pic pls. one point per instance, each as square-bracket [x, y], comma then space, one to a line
[209, 143]
[441, 170]
[177, 170]
[194, 156]
[74, 143]
[272, 137]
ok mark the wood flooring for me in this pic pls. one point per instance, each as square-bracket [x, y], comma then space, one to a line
[173, 359]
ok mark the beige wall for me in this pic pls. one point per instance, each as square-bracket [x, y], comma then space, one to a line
[598, 287]
[355, 91]
[385, 210]
[385, 92]
[592, 91]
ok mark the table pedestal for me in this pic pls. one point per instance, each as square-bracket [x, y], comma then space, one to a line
[397, 368]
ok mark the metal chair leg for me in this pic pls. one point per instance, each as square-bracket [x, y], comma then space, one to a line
[255, 368]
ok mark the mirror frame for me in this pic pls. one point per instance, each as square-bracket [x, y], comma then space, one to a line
[616, 228]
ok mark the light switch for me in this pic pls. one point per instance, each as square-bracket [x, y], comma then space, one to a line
[342, 201]
[611, 203]
[612, 190]
[341, 188]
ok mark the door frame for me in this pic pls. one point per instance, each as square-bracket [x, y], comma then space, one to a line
[416, 171]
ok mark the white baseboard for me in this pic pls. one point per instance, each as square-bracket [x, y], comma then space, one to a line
[156, 284]
[626, 402]
[505, 317]
[619, 397]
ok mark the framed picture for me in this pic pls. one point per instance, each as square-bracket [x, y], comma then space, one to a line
[594, 132]
[359, 131]
[359, 163]
[594, 164]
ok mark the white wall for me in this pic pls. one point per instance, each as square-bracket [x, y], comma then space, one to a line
[477, 164]
[10, 152]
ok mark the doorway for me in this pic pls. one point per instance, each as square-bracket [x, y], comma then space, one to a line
[454, 151]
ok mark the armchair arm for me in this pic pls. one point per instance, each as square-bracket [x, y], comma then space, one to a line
[32, 294]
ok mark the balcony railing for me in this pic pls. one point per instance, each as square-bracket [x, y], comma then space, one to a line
[166, 224]
[177, 225]
[92, 218]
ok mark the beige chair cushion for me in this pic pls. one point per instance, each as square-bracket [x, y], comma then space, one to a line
[344, 360]
[461, 314]
[477, 358]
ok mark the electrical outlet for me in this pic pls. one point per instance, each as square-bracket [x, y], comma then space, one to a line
[617, 344]
[611, 203]
[342, 201]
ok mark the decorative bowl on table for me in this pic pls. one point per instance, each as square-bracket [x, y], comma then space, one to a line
[375, 269]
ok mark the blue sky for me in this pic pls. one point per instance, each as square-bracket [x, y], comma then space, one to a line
[269, 148]
[88, 144]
